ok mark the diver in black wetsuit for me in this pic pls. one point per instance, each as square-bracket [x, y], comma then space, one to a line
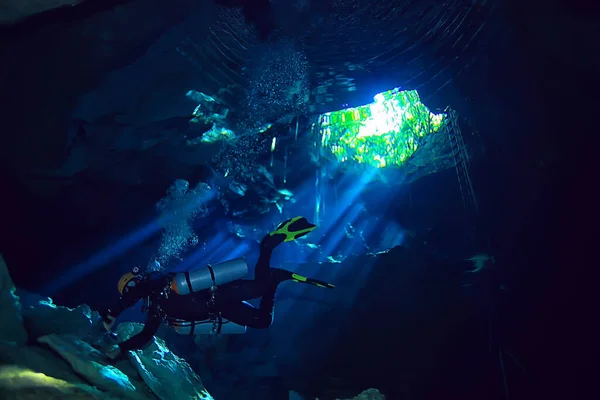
[214, 307]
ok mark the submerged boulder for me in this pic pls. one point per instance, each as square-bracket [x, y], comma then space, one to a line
[91, 364]
[369, 394]
[64, 357]
[158, 366]
[38, 359]
[19, 383]
[42, 317]
[14, 11]
[11, 322]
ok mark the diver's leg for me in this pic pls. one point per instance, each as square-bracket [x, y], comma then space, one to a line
[267, 245]
[245, 314]
[240, 290]
[244, 289]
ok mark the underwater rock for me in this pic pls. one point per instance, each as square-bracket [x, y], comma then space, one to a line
[101, 36]
[369, 394]
[18, 383]
[37, 359]
[42, 317]
[14, 11]
[68, 364]
[157, 366]
[11, 322]
[91, 364]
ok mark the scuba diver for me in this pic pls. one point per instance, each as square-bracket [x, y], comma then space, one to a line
[211, 299]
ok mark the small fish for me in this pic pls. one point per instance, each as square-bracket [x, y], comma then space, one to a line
[237, 230]
[240, 212]
[238, 188]
[480, 262]
[286, 193]
[378, 253]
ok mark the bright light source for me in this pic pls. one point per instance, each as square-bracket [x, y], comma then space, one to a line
[384, 133]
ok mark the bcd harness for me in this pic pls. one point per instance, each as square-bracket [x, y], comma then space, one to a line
[215, 316]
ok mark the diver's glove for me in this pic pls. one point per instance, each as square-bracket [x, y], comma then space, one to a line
[113, 352]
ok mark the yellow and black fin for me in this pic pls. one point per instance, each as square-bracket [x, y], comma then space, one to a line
[294, 228]
[304, 279]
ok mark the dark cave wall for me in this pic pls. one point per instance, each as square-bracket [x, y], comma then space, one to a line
[412, 323]
[47, 66]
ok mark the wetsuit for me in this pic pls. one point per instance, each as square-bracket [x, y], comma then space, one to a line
[229, 299]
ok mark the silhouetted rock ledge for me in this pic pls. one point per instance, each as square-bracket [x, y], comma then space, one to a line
[50, 351]
[14, 11]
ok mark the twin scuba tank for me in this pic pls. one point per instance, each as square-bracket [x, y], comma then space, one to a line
[211, 276]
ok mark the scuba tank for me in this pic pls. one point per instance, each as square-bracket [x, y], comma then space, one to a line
[210, 276]
[207, 327]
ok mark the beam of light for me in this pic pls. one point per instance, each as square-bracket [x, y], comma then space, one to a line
[222, 252]
[346, 211]
[355, 241]
[105, 256]
[336, 235]
[296, 301]
[353, 188]
[332, 228]
[218, 249]
[239, 251]
[348, 198]
[122, 246]
[200, 253]
[336, 208]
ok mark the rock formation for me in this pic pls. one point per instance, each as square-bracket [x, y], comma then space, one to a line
[13, 11]
[50, 351]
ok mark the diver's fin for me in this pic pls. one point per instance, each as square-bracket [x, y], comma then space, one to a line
[303, 279]
[293, 228]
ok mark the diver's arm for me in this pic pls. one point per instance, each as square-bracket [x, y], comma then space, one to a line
[125, 301]
[109, 315]
[128, 299]
[150, 327]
